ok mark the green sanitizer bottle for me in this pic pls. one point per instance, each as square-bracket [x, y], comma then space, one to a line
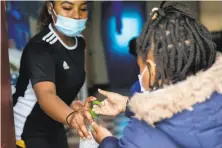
[90, 143]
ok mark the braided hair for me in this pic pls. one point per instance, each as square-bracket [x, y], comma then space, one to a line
[181, 46]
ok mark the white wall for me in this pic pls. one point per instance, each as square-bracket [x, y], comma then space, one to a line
[96, 46]
[211, 14]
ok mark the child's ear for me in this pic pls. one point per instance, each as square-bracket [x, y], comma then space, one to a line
[151, 63]
[152, 67]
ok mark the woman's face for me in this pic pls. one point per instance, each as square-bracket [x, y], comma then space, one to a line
[71, 9]
[146, 76]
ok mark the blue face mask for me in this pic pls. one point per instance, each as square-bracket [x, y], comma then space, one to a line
[140, 77]
[68, 26]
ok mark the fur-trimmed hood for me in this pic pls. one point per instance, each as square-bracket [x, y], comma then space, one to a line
[164, 103]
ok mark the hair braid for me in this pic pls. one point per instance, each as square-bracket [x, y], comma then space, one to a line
[181, 46]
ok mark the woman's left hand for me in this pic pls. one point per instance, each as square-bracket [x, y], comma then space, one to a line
[99, 132]
[82, 116]
[76, 105]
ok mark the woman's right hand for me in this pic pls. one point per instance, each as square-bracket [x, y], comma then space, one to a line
[113, 105]
[82, 117]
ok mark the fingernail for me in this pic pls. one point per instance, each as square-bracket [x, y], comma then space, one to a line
[89, 137]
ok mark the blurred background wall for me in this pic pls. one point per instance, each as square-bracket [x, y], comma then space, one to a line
[110, 27]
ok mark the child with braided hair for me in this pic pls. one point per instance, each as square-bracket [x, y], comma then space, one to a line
[181, 106]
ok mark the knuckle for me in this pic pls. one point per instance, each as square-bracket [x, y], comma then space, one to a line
[82, 127]
[86, 113]
[80, 134]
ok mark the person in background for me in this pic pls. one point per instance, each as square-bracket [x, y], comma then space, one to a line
[52, 71]
[18, 32]
[182, 103]
[135, 88]
[132, 50]
[132, 47]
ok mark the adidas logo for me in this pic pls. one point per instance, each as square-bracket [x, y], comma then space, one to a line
[65, 65]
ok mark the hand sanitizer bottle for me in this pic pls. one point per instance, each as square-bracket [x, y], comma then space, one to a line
[90, 143]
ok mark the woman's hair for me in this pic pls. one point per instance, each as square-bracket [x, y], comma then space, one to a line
[45, 18]
[181, 45]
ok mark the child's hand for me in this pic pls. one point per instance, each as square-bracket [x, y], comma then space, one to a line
[99, 132]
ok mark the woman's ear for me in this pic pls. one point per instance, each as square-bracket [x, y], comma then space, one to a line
[50, 8]
[51, 11]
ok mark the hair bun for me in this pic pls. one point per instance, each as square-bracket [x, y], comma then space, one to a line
[176, 7]
[157, 13]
